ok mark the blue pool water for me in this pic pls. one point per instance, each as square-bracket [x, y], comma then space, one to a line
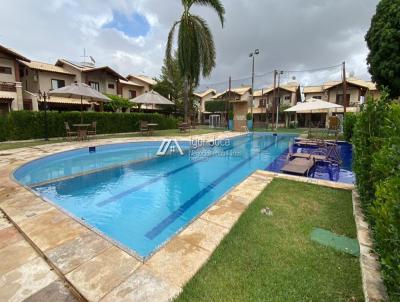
[140, 200]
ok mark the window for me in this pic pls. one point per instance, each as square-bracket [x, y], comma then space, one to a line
[57, 83]
[287, 97]
[95, 85]
[111, 86]
[262, 103]
[6, 70]
[318, 97]
[132, 94]
[339, 99]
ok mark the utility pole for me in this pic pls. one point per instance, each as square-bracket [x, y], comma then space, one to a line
[345, 102]
[279, 99]
[252, 55]
[273, 98]
[227, 103]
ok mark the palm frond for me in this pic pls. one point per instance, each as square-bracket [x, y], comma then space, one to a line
[215, 4]
[170, 41]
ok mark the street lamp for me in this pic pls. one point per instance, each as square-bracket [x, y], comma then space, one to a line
[252, 55]
[45, 96]
[279, 99]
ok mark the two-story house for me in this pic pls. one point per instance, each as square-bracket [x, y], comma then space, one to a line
[39, 76]
[201, 97]
[357, 90]
[136, 85]
[11, 93]
[286, 95]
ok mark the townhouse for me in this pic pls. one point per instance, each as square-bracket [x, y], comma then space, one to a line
[201, 97]
[11, 92]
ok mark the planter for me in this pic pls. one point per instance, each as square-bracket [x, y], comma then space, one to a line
[250, 124]
[230, 124]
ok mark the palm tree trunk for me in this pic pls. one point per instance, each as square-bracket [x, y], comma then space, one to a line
[186, 100]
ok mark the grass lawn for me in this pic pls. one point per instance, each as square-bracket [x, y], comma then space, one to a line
[169, 132]
[273, 259]
[282, 130]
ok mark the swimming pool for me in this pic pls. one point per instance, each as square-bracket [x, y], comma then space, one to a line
[139, 200]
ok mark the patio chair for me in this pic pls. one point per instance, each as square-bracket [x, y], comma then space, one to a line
[299, 166]
[93, 130]
[183, 127]
[144, 127]
[70, 134]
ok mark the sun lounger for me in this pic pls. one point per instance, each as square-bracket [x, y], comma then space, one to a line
[299, 166]
[316, 157]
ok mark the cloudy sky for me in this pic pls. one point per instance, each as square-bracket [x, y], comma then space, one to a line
[130, 35]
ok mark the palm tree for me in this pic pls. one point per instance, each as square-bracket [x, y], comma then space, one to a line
[195, 49]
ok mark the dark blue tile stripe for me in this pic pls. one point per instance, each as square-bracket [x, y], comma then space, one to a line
[155, 179]
[178, 212]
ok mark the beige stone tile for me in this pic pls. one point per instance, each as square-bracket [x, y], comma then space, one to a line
[9, 236]
[143, 286]
[25, 207]
[204, 234]
[14, 255]
[234, 201]
[54, 292]
[177, 261]
[4, 223]
[97, 277]
[75, 252]
[51, 229]
[223, 216]
[25, 280]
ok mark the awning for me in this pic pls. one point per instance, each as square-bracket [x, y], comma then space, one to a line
[7, 96]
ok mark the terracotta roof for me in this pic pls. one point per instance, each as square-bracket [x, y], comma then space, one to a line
[329, 84]
[133, 83]
[313, 89]
[239, 91]
[292, 87]
[204, 93]
[45, 67]
[85, 68]
[142, 78]
[13, 53]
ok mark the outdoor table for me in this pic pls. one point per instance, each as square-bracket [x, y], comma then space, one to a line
[152, 126]
[81, 130]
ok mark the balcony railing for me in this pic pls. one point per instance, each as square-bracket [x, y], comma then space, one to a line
[8, 86]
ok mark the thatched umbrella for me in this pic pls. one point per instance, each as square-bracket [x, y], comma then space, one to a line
[82, 91]
[151, 97]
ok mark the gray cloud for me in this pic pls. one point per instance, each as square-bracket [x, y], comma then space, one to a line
[291, 35]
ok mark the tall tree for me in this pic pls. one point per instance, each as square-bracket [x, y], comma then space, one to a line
[383, 40]
[196, 49]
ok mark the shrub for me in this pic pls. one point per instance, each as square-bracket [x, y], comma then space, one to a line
[230, 115]
[293, 125]
[20, 125]
[348, 125]
[249, 116]
[216, 106]
[386, 213]
[376, 139]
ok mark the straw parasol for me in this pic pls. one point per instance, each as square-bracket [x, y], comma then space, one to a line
[312, 105]
[151, 97]
[82, 91]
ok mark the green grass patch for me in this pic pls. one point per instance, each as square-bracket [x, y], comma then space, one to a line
[272, 258]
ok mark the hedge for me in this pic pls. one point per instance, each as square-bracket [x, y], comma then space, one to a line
[376, 140]
[19, 125]
[216, 106]
[348, 125]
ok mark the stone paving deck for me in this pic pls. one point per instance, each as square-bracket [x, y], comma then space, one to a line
[93, 268]
[47, 255]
